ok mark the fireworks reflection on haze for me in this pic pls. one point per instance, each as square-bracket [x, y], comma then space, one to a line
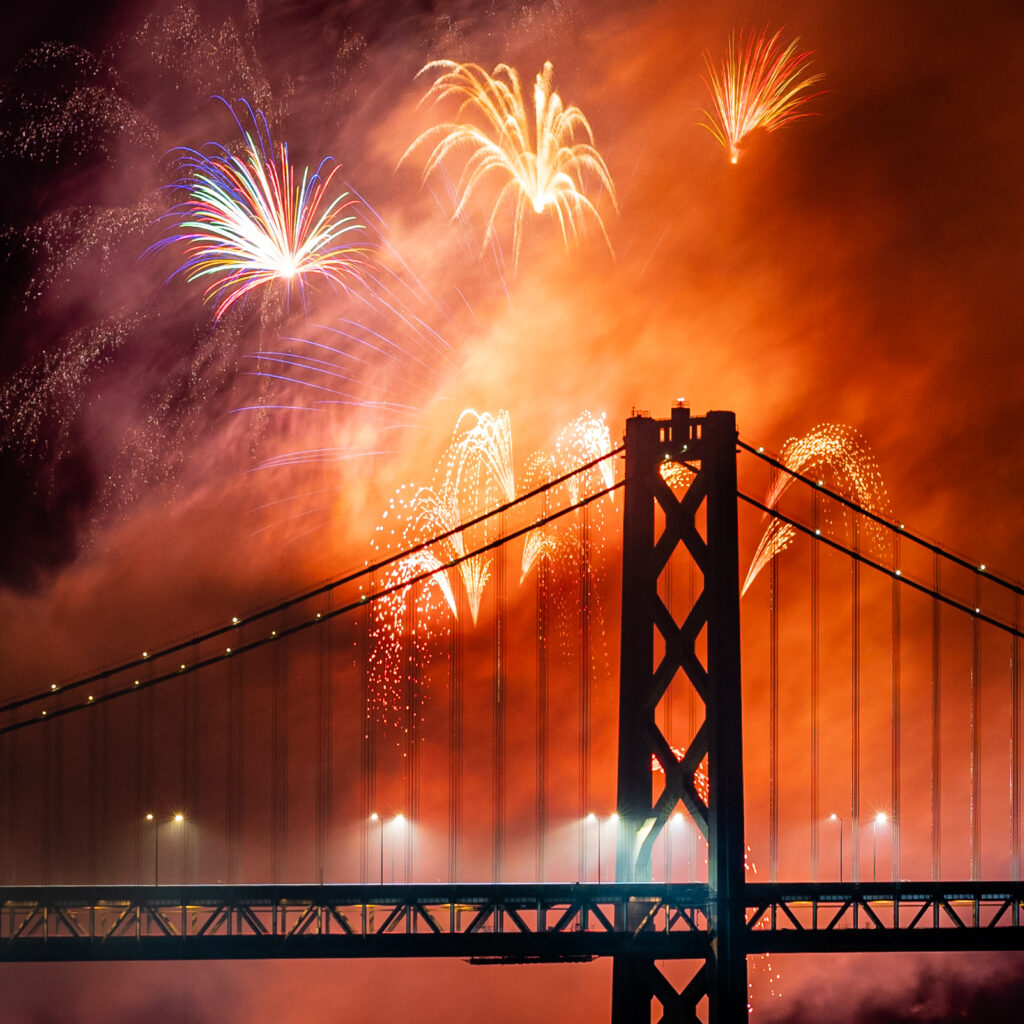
[758, 85]
[833, 450]
[543, 169]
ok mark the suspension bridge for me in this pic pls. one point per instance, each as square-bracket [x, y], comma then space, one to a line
[354, 773]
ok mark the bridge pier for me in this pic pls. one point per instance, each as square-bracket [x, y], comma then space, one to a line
[698, 456]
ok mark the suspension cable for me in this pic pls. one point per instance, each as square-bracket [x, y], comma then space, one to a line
[896, 527]
[320, 617]
[895, 574]
[325, 588]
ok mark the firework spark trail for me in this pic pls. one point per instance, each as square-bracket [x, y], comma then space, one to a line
[844, 454]
[584, 439]
[544, 169]
[475, 474]
[247, 222]
[389, 695]
[758, 85]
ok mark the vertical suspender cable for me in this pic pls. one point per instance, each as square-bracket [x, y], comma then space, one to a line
[936, 805]
[584, 598]
[1015, 710]
[95, 811]
[500, 701]
[189, 747]
[773, 723]
[411, 669]
[367, 744]
[543, 579]
[815, 712]
[894, 770]
[324, 743]
[855, 708]
[140, 808]
[455, 736]
[279, 760]
[234, 767]
[975, 722]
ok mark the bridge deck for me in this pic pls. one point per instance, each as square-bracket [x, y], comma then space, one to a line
[494, 922]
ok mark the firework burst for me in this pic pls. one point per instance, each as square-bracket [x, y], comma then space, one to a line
[844, 454]
[248, 221]
[543, 169]
[760, 84]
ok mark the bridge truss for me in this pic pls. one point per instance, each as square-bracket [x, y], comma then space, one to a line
[503, 923]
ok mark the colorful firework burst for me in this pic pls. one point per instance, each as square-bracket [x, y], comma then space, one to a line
[544, 169]
[760, 84]
[844, 454]
[248, 221]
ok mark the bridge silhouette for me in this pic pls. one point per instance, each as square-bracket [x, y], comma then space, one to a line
[357, 772]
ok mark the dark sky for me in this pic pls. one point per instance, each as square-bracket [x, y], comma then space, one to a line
[859, 266]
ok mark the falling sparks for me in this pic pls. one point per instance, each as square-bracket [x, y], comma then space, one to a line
[585, 439]
[544, 169]
[838, 450]
[758, 85]
[247, 221]
[474, 475]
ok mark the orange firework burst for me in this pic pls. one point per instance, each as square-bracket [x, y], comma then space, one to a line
[841, 451]
[544, 169]
[758, 85]
[584, 439]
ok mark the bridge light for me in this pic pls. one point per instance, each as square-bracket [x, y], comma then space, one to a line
[899, 572]
[149, 816]
[179, 817]
[234, 620]
[375, 816]
[981, 568]
[136, 683]
[90, 698]
[53, 686]
[227, 650]
[145, 654]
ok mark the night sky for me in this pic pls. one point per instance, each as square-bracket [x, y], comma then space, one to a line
[859, 266]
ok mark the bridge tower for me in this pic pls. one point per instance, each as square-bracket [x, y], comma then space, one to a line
[699, 512]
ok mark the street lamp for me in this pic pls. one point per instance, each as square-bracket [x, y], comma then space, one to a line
[880, 819]
[380, 831]
[835, 817]
[178, 819]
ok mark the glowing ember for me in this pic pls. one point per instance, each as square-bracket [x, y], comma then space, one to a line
[543, 170]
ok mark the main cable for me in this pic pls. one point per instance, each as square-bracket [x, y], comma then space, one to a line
[320, 617]
[149, 658]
